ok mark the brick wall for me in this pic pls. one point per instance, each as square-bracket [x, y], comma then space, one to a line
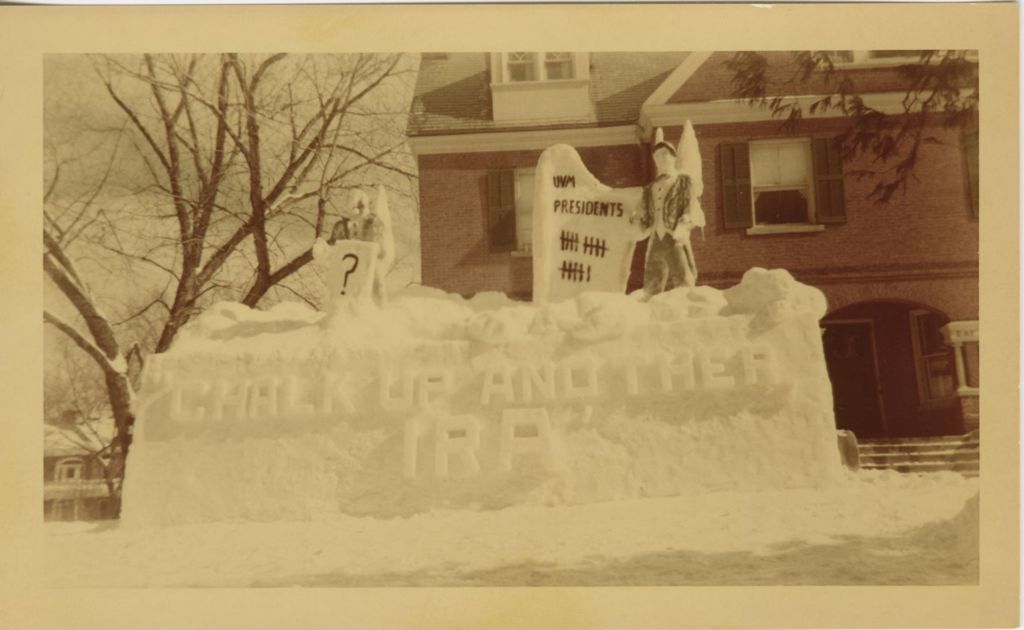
[921, 247]
[453, 201]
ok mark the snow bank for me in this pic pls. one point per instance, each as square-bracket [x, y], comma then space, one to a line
[437, 401]
[935, 512]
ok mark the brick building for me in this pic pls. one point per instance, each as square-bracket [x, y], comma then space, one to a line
[75, 465]
[901, 279]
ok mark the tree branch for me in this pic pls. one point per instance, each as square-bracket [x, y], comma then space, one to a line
[79, 339]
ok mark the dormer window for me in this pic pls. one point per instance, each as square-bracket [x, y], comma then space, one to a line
[523, 67]
[540, 86]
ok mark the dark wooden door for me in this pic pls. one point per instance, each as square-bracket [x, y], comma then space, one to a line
[853, 370]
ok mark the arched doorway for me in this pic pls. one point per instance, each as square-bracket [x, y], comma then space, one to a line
[892, 372]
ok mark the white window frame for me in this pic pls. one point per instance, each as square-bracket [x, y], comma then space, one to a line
[507, 63]
[69, 463]
[524, 248]
[579, 64]
[920, 359]
[811, 225]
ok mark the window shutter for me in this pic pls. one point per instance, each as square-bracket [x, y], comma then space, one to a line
[830, 199]
[970, 149]
[501, 210]
[735, 168]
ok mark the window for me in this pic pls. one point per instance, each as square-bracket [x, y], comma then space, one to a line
[933, 359]
[510, 210]
[895, 54]
[69, 469]
[772, 186]
[534, 66]
[879, 57]
[534, 86]
[558, 65]
[780, 176]
[522, 66]
[524, 209]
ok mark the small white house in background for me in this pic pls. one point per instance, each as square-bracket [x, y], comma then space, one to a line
[74, 483]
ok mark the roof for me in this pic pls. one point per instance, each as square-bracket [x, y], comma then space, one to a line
[713, 80]
[453, 92]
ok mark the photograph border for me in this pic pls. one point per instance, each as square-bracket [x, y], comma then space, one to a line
[27, 33]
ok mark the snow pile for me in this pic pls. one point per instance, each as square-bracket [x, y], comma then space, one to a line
[879, 511]
[441, 402]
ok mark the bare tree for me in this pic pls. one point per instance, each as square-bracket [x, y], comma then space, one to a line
[211, 178]
[939, 85]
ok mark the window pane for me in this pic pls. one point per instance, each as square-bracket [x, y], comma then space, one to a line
[558, 65]
[939, 377]
[793, 164]
[780, 206]
[764, 165]
[520, 72]
[521, 66]
[779, 164]
[558, 70]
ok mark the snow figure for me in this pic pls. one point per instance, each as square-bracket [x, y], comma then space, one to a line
[583, 239]
[385, 238]
[351, 253]
[362, 236]
[669, 210]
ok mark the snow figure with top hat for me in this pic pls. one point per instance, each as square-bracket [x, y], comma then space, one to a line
[668, 211]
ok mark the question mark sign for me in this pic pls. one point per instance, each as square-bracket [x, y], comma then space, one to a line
[355, 264]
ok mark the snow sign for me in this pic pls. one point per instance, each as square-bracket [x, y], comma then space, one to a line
[583, 239]
[350, 269]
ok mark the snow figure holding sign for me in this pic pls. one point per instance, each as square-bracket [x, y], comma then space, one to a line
[360, 250]
[584, 232]
[669, 210]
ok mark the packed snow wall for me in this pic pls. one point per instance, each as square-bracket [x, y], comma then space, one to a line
[441, 402]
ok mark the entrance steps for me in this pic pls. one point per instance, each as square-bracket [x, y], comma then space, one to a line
[957, 453]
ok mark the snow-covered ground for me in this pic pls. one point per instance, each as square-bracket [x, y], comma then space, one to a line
[921, 527]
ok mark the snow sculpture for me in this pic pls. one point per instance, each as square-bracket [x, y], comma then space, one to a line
[585, 232]
[669, 209]
[359, 253]
[405, 409]
[456, 436]
[532, 420]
